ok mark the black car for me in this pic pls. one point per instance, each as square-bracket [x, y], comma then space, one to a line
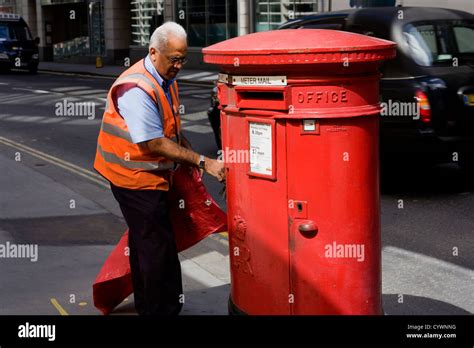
[430, 83]
[17, 47]
[213, 114]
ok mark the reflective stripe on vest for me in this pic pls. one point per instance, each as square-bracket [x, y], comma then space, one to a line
[112, 158]
[115, 131]
[120, 133]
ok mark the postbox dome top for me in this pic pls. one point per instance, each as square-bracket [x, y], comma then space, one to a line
[299, 47]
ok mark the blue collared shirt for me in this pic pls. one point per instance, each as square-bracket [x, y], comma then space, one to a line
[139, 110]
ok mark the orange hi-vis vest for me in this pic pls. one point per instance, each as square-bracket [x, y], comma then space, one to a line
[121, 161]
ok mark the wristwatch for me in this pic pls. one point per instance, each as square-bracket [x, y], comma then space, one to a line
[202, 162]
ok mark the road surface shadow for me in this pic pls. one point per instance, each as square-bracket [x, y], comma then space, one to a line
[417, 305]
[426, 179]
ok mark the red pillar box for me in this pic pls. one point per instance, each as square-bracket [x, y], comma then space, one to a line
[303, 208]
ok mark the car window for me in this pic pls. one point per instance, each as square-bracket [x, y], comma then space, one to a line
[464, 36]
[334, 26]
[20, 32]
[422, 43]
[428, 37]
[328, 23]
[438, 43]
[4, 32]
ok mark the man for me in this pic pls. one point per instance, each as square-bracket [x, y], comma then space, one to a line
[139, 143]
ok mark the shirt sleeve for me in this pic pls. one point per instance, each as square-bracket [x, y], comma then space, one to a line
[140, 114]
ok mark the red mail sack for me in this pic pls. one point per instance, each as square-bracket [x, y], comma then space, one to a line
[194, 216]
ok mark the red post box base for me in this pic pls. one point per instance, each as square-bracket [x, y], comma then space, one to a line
[232, 309]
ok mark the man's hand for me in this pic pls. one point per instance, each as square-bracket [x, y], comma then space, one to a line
[215, 168]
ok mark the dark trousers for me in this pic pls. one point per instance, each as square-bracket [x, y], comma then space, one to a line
[156, 271]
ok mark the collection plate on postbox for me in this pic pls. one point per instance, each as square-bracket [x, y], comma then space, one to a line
[262, 155]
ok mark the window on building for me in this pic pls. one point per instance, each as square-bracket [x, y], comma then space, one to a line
[269, 14]
[208, 21]
[96, 27]
[146, 16]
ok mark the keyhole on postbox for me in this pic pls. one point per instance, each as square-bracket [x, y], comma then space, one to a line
[299, 206]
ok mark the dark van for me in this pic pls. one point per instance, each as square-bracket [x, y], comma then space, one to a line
[17, 47]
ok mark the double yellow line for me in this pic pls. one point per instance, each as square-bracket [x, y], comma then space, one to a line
[58, 307]
[91, 176]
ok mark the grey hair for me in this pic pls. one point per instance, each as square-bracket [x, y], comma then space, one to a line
[160, 36]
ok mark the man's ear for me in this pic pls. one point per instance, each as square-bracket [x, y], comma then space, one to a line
[153, 53]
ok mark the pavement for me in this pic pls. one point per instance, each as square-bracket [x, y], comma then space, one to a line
[186, 75]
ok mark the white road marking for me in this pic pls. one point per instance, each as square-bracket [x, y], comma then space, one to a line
[197, 128]
[84, 121]
[8, 97]
[196, 116]
[209, 78]
[48, 120]
[88, 92]
[38, 91]
[31, 99]
[29, 119]
[68, 89]
[198, 75]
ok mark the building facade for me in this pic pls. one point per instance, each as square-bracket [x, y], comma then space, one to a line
[118, 31]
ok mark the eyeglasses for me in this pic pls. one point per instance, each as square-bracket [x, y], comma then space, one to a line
[175, 60]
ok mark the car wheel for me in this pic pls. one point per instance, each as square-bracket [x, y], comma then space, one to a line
[4, 69]
[466, 162]
[33, 69]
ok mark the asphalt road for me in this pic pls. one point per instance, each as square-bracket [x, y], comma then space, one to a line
[427, 212]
